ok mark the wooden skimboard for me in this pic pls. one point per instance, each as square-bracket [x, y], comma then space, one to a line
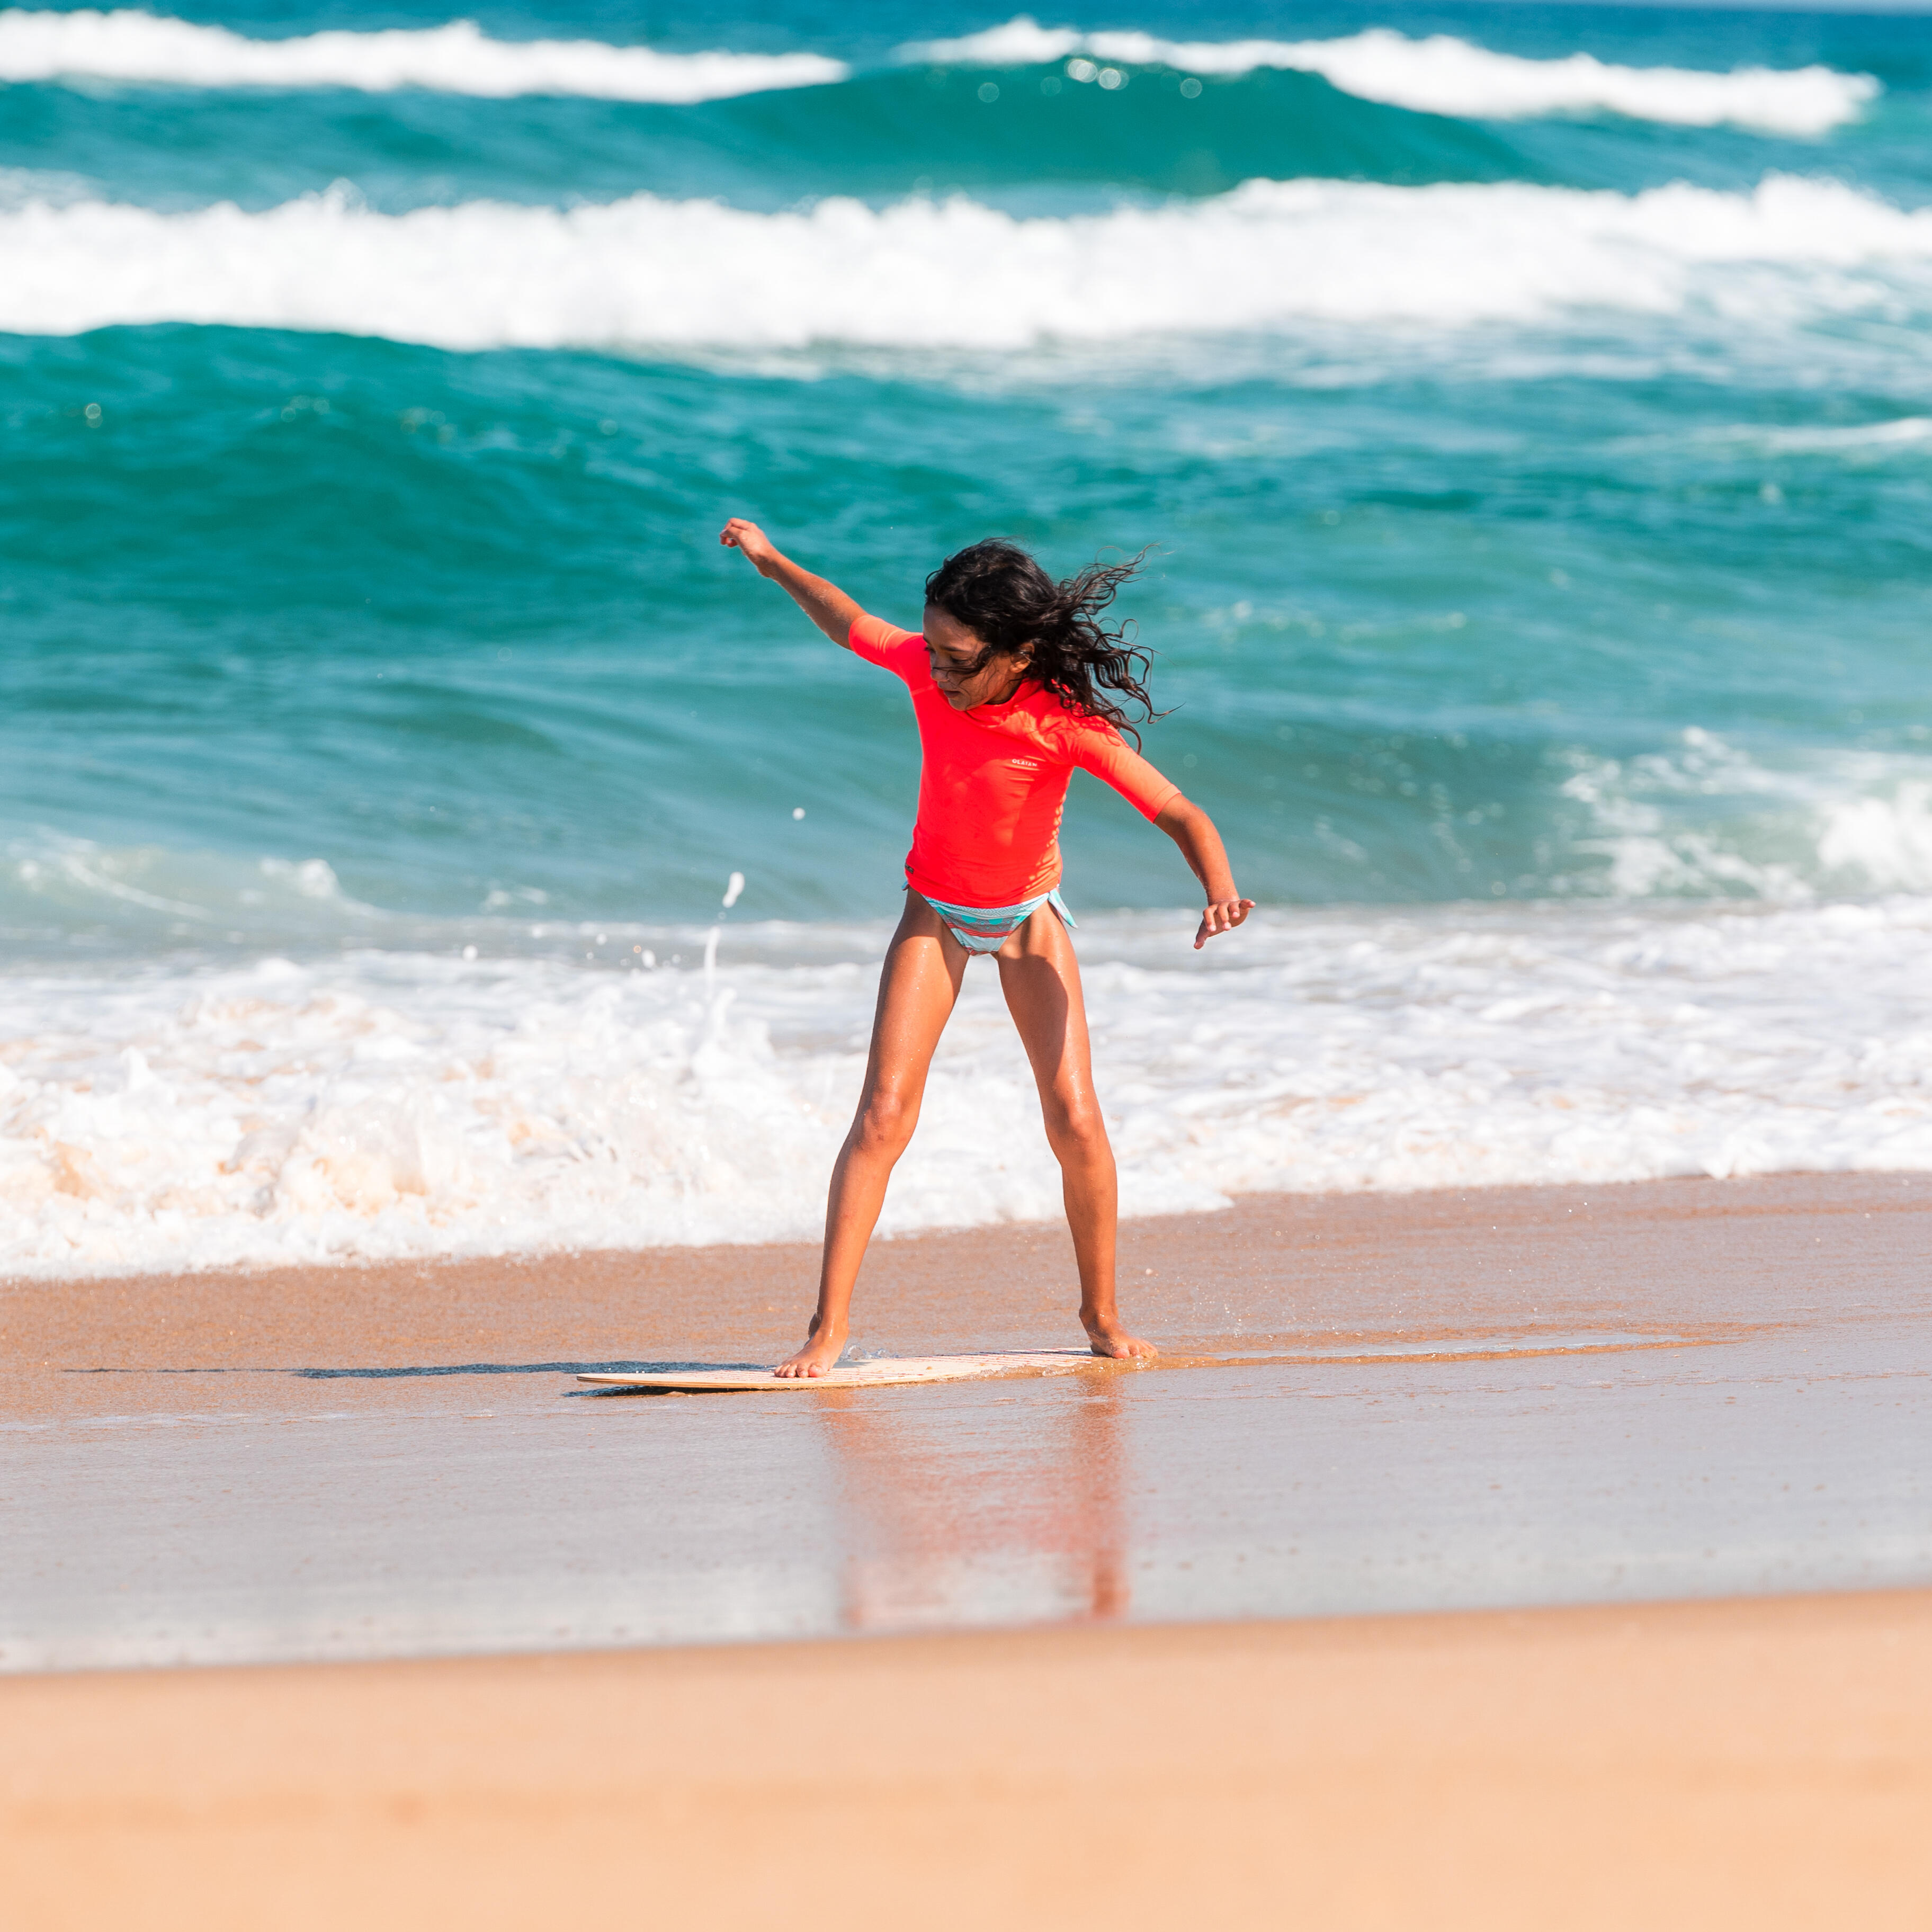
[886, 1373]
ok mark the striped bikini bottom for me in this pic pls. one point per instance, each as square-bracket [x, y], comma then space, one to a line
[987, 929]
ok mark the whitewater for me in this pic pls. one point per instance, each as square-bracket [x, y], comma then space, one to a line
[458, 59]
[1442, 74]
[1437, 74]
[958, 274]
[385, 1105]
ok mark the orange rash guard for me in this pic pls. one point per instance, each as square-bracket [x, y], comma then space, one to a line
[992, 781]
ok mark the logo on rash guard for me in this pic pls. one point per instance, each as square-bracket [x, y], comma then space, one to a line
[1024, 764]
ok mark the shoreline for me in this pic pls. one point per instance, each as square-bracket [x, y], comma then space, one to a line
[1765, 1763]
[213, 1316]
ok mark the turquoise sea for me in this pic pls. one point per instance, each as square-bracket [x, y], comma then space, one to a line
[1529, 405]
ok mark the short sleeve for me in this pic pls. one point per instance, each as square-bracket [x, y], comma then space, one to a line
[1099, 749]
[880, 642]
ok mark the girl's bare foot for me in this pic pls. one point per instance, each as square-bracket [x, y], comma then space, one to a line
[1110, 1340]
[821, 1352]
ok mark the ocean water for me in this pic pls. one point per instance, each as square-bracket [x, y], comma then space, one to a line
[1529, 407]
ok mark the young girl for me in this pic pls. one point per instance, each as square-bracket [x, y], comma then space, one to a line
[1007, 686]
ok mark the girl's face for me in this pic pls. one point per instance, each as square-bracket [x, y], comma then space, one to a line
[953, 651]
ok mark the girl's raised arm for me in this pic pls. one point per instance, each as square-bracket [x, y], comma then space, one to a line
[825, 603]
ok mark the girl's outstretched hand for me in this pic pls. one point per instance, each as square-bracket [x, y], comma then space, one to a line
[741, 533]
[825, 603]
[1222, 915]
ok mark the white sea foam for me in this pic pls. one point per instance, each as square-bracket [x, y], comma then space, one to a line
[457, 58]
[385, 1104]
[1703, 817]
[1886, 839]
[1443, 75]
[1269, 255]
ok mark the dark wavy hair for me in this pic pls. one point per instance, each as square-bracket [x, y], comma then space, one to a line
[1000, 593]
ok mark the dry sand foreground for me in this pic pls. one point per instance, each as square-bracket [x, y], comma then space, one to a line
[1763, 1765]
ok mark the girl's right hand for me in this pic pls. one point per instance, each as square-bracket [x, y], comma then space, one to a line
[742, 534]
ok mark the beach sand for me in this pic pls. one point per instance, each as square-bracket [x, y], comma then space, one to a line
[1272, 1273]
[1133, 1701]
[1760, 1764]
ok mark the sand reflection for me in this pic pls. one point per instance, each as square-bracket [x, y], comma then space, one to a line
[1017, 1516]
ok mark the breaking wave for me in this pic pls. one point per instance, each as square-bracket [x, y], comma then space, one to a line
[1443, 75]
[1702, 819]
[457, 58]
[959, 274]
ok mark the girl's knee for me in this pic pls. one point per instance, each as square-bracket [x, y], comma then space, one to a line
[1076, 1130]
[885, 1123]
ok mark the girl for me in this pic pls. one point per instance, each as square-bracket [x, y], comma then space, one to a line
[1007, 688]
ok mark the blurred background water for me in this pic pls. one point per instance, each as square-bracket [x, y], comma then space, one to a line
[1529, 406]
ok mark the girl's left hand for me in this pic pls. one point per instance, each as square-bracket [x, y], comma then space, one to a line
[1222, 915]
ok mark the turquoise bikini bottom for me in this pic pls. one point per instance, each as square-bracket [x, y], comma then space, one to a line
[987, 929]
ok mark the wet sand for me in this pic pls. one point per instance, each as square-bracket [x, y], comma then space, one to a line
[1369, 1404]
[1760, 1765]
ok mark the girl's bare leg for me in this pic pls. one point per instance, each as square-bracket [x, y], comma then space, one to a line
[1040, 976]
[924, 966]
